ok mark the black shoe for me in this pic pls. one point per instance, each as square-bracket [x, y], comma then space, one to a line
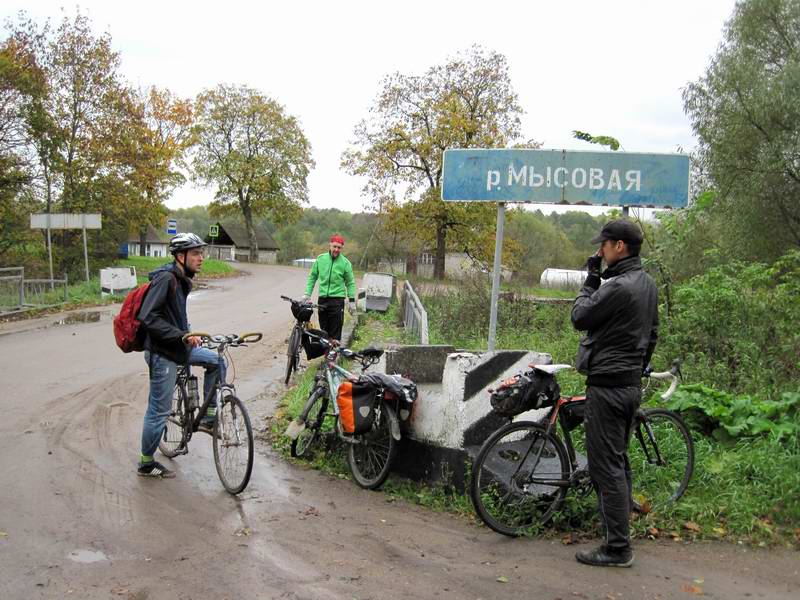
[207, 425]
[154, 469]
[603, 557]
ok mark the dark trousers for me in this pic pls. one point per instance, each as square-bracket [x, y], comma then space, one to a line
[610, 414]
[331, 316]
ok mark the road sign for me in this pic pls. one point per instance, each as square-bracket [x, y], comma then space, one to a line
[213, 231]
[172, 227]
[566, 177]
[83, 221]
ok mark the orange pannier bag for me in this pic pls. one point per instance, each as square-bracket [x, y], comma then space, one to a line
[356, 401]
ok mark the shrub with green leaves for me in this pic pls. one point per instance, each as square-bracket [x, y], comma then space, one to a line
[727, 416]
[736, 327]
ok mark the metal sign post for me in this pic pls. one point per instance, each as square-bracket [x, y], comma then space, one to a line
[82, 221]
[213, 232]
[561, 177]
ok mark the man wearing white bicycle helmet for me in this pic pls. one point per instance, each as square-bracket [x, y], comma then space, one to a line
[164, 322]
[621, 323]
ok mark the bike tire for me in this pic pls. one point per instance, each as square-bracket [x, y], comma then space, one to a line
[500, 487]
[292, 353]
[313, 415]
[173, 438]
[662, 466]
[233, 445]
[371, 457]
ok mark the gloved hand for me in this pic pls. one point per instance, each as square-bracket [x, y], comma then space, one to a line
[351, 307]
[594, 264]
[646, 371]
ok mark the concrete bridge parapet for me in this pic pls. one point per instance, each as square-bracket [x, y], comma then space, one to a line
[452, 416]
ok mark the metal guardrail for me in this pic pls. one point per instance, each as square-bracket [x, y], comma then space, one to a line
[19, 294]
[415, 317]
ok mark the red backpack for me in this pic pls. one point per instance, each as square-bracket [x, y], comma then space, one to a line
[126, 325]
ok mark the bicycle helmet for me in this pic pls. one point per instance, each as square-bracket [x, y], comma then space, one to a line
[185, 241]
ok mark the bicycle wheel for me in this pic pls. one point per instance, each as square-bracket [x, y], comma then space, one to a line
[313, 415]
[292, 353]
[233, 445]
[519, 478]
[662, 458]
[371, 456]
[173, 440]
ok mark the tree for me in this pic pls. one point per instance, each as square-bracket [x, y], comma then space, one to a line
[151, 146]
[745, 112]
[256, 155]
[466, 102]
[21, 82]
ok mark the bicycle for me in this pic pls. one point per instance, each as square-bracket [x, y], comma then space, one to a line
[523, 470]
[302, 312]
[369, 454]
[232, 435]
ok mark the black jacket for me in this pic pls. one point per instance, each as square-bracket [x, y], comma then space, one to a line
[163, 313]
[621, 320]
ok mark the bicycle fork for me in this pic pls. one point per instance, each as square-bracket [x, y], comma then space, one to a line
[654, 457]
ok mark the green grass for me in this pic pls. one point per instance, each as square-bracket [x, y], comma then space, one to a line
[212, 268]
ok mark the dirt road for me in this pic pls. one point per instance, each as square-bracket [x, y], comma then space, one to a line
[76, 522]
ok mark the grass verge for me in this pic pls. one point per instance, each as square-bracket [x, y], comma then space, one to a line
[746, 492]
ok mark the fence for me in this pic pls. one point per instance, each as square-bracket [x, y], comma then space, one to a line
[18, 293]
[415, 317]
[12, 291]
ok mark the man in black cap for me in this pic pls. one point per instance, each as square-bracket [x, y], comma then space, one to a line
[621, 321]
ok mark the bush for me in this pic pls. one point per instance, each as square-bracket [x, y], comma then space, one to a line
[736, 327]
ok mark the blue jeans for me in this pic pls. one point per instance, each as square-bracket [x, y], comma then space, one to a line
[163, 373]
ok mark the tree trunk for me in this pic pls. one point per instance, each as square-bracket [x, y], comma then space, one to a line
[251, 232]
[438, 266]
[142, 241]
[411, 264]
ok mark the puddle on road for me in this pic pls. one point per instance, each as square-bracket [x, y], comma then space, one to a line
[87, 556]
[82, 317]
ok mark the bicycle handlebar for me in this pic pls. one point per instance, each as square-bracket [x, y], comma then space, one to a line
[673, 374]
[232, 339]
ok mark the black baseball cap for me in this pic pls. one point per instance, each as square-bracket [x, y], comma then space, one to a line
[619, 229]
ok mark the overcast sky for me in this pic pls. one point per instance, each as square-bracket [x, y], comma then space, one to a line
[607, 67]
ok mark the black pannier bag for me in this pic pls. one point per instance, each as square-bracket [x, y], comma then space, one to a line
[302, 312]
[525, 391]
[313, 347]
[399, 388]
[573, 414]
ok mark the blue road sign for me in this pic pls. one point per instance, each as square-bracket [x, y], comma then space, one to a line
[172, 227]
[566, 177]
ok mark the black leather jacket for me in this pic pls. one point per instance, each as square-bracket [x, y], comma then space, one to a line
[621, 320]
[163, 313]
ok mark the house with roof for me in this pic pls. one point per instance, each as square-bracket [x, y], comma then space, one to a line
[233, 243]
[156, 243]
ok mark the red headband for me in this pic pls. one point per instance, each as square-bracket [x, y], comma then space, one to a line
[336, 238]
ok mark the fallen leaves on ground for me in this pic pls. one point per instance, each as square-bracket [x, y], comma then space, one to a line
[690, 588]
[502, 579]
[691, 526]
[246, 531]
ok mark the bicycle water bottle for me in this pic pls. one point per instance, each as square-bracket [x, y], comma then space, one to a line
[193, 399]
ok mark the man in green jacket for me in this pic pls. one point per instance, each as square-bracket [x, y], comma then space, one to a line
[336, 280]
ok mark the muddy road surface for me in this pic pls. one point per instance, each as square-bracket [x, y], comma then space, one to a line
[76, 521]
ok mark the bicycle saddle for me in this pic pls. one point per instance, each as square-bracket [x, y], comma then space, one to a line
[371, 352]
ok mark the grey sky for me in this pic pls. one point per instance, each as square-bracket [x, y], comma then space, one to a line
[611, 67]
